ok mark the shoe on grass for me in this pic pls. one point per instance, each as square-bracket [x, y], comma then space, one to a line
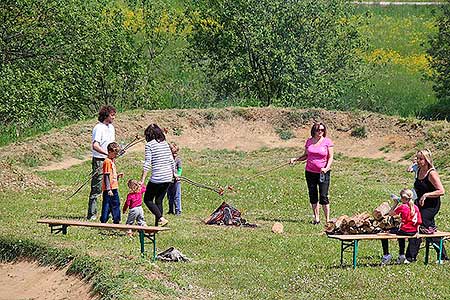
[386, 259]
[163, 222]
[402, 260]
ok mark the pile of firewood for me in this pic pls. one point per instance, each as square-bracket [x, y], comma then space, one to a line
[364, 223]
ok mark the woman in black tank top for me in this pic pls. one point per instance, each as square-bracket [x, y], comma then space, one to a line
[429, 190]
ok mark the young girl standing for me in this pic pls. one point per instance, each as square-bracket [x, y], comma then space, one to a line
[411, 219]
[134, 203]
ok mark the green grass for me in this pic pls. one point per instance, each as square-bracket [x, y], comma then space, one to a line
[236, 263]
[399, 34]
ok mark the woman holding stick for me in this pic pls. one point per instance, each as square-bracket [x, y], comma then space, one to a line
[158, 159]
[319, 157]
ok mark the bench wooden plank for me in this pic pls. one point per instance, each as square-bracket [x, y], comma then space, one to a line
[144, 231]
[352, 241]
[386, 236]
[147, 229]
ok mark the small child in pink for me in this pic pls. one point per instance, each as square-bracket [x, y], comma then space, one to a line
[134, 203]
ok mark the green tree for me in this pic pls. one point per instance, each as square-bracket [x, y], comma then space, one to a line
[290, 53]
[64, 59]
[439, 52]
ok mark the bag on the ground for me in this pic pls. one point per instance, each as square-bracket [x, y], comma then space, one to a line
[172, 254]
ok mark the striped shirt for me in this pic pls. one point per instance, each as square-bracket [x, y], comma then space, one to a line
[159, 159]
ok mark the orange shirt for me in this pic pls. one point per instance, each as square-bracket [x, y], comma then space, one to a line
[109, 167]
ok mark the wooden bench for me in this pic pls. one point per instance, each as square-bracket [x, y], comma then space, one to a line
[352, 240]
[57, 226]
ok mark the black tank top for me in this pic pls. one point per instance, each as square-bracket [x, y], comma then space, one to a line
[423, 186]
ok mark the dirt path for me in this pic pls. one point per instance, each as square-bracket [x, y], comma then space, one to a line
[258, 130]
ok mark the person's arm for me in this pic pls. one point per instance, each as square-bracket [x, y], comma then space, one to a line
[96, 147]
[107, 183]
[329, 161]
[395, 209]
[147, 163]
[436, 181]
[302, 157]
[126, 204]
[143, 176]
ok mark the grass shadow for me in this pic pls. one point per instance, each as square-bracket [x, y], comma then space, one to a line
[286, 220]
[72, 217]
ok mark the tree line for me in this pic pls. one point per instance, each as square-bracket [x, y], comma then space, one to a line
[62, 59]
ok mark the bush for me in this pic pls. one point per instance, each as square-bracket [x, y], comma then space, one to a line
[359, 132]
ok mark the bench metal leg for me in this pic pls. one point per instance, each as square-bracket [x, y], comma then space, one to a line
[152, 238]
[441, 246]
[427, 250]
[349, 244]
[58, 228]
[355, 252]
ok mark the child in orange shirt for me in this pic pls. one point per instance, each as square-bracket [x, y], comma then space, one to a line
[110, 186]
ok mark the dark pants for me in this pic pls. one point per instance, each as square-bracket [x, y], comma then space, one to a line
[154, 197]
[96, 186]
[111, 204]
[313, 181]
[401, 242]
[428, 214]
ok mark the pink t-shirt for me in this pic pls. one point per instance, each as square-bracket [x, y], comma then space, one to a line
[134, 200]
[317, 154]
[410, 223]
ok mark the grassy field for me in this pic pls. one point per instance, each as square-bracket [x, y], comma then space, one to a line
[398, 39]
[229, 263]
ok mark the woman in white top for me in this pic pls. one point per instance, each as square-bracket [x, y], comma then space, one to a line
[158, 159]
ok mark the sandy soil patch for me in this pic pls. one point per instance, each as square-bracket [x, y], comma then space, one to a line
[28, 280]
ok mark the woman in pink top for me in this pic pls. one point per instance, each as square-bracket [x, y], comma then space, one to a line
[319, 157]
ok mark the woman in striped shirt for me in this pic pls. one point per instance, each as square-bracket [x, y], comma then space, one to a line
[158, 159]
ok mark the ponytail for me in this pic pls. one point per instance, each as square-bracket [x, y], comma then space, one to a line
[411, 207]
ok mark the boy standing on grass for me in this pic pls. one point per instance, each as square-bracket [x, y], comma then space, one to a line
[110, 185]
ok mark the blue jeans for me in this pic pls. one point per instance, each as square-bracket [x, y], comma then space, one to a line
[174, 196]
[111, 204]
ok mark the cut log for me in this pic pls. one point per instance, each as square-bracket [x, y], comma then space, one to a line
[364, 222]
[340, 220]
[381, 211]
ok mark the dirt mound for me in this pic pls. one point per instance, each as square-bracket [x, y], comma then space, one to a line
[15, 178]
[359, 134]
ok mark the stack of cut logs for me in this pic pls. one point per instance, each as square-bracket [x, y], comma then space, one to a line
[364, 223]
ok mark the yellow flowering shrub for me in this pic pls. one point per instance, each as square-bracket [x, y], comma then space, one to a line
[414, 63]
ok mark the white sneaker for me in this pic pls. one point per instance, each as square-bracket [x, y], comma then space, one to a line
[402, 260]
[386, 259]
[163, 222]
